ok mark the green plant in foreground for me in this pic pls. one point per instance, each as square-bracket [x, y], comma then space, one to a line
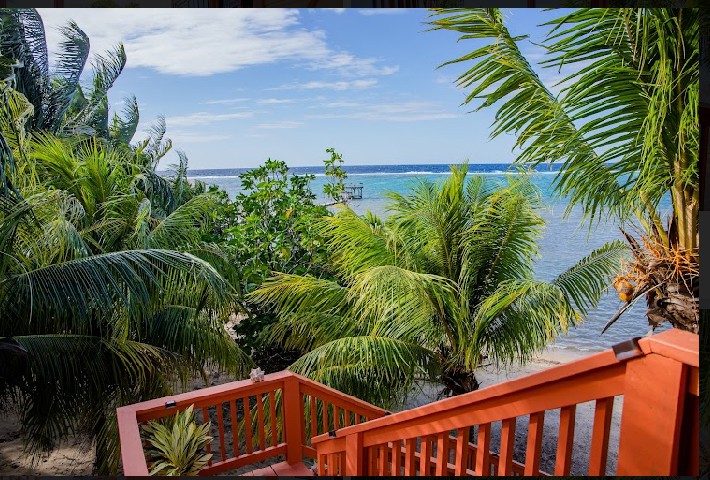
[178, 445]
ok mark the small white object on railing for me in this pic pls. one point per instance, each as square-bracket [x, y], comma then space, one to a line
[257, 375]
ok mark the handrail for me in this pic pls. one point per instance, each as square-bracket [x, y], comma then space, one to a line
[669, 360]
[251, 421]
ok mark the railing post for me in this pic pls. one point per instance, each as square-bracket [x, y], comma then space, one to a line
[355, 455]
[293, 423]
[654, 397]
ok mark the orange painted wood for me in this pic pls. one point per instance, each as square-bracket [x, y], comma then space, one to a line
[321, 466]
[207, 397]
[600, 382]
[565, 441]
[347, 418]
[314, 417]
[507, 443]
[235, 427]
[372, 460]
[206, 419]
[424, 455]
[674, 344]
[272, 417]
[354, 455]
[442, 454]
[533, 451]
[382, 467]
[336, 417]
[397, 458]
[461, 456]
[220, 422]
[663, 380]
[301, 402]
[309, 452]
[600, 436]
[243, 460]
[324, 418]
[694, 381]
[132, 456]
[293, 420]
[334, 396]
[410, 446]
[260, 421]
[248, 424]
[483, 448]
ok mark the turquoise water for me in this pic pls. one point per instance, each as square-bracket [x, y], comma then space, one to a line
[564, 242]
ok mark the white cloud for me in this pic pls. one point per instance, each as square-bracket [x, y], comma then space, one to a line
[204, 118]
[383, 11]
[391, 112]
[201, 42]
[284, 124]
[180, 138]
[349, 65]
[275, 101]
[335, 85]
[226, 101]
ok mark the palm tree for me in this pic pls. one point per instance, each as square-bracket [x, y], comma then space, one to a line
[441, 287]
[108, 295]
[624, 126]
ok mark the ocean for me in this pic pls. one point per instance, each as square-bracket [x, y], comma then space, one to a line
[564, 242]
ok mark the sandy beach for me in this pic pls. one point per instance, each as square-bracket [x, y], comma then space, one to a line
[76, 456]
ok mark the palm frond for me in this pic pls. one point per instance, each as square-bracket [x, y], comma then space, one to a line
[374, 368]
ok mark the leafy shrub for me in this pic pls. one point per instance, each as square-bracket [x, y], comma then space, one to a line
[178, 444]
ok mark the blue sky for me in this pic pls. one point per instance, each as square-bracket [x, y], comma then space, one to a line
[239, 86]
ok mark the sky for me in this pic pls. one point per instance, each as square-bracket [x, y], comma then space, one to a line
[238, 86]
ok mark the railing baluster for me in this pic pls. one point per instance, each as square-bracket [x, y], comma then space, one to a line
[442, 454]
[235, 427]
[372, 460]
[336, 417]
[425, 456]
[324, 420]
[483, 448]
[220, 422]
[382, 467]
[347, 417]
[507, 442]
[248, 425]
[410, 446]
[397, 458]
[260, 420]
[302, 406]
[600, 436]
[321, 466]
[565, 441]
[461, 457]
[205, 419]
[314, 417]
[532, 454]
[272, 415]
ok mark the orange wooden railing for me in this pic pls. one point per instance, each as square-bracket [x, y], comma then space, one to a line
[656, 376]
[248, 421]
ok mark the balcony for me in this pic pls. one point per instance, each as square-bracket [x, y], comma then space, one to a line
[297, 424]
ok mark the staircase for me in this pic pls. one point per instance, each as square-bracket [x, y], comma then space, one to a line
[286, 423]
[657, 377]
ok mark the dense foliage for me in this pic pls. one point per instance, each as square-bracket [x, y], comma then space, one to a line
[624, 126]
[108, 293]
[441, 287]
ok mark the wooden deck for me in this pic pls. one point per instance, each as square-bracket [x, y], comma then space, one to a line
[292, 417]
[283, 469]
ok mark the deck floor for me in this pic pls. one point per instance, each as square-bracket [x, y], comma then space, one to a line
[282, 469]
